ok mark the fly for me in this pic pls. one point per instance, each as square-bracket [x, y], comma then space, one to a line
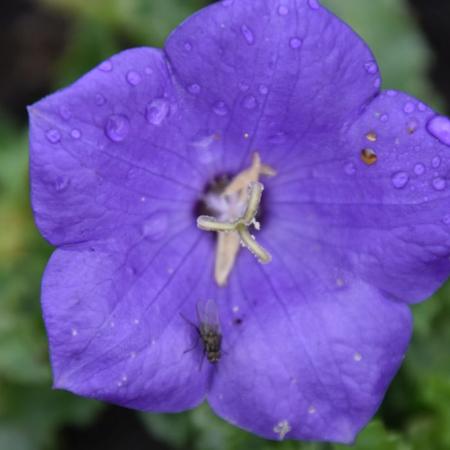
[209, 330]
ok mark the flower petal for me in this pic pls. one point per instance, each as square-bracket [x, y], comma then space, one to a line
[386, 218]
[105, 149]
[305, 360]
[268, 73]
[114, 313]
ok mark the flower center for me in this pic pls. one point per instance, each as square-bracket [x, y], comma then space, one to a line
[234, 208]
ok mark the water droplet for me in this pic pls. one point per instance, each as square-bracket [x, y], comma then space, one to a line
[377, 83]
[400, 179]
[384, 118]
[357, 357]
[263, 89]
[100, 99]
[419, 169]
[295, 43]
[312, 409]
[133, 78]
[75, 133]
[439, 127]
[53, 135]
[248, 34]
[283, 10]
[350, 169]
[61, 183]
[148, 70]
[194, 88]
[369, 156]
[371, 67]
[157, 110]
[392, 93]
[65, 112]
[436, 162]
[412, 126]
[422, 107]
[220, 108]
[249, 102]
[243, 86]
[446, 219]
[313, 4]
[117, 127]
[155, 227]
[439, 184]
[409, 108]
[106, 66]
[371, 136]
[188, 46]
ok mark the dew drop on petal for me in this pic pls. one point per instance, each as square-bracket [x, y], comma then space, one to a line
[446, 219]
[371, 67]
[439, 127]
[157, 110]
[313, 4]
[61, 183]
[65, 112]
[439, 184]
[419, 169]
[194, 88]
[263, 89]
[312, 410]
[421, 107]
[100, 99]
[391, 93]
[249, 102]
[148, 70]
[188, 46]
[377, 83]
[384, 118]
[106, 66]
[53, 135]
[412, 126]
[371, 136]
[283, 10]
[409, 107]
[368, 156]
[248, 34]
[436, 162]
[75, 133]
[350, 169]
[117, 127]
[155, 226]
[357, 357]
[133, 78]
[400, 179]
[295, 43]
[220, 108]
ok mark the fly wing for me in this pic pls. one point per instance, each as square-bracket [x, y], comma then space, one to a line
[208, 316]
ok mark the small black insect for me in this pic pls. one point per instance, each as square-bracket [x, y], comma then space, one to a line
[208, 330]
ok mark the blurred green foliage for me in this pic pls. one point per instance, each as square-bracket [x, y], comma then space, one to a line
[416, 412]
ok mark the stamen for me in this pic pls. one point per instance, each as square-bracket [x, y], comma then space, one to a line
[243, 193]
[250, 242]
[254, 198]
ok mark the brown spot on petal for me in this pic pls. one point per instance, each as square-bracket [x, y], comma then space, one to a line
[368, 156]
[371, 136]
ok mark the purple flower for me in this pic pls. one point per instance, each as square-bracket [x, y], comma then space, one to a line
[259, 117]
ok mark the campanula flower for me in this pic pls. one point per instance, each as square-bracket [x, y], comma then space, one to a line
[253, 165]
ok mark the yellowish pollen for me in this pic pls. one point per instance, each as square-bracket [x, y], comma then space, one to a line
[248, 190]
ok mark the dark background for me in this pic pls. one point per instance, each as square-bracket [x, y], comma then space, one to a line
[46, 44]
